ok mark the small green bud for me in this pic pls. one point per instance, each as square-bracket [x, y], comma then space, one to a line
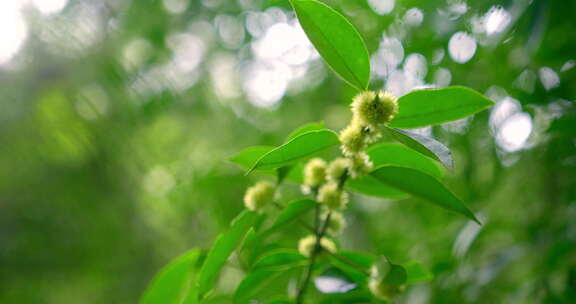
[336, 224]
[336, 169]
[374, 108]
[315, 172]
[306, 245]
[259, 195]
[353, 139]
[332, 197]
[384, 291]
[361, 164]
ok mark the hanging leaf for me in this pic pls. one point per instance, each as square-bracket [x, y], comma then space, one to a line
[223, 247]
[337, 41]
[314, 126]
[246, 158]
[172, 284]
[392, 154]
[421, 185]
[427, 107]
[424, 145]
[298, 148]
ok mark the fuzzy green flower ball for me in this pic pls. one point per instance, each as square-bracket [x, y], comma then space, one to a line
[360, 164]
[353, 139]
[332, 197]
[259, 195]
[374, 108]
[336, 169]
[306, 245]
[315, 172]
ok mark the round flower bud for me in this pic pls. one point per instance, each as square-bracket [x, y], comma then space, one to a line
[307, 244]
[360, 164]
[315, 172]
[336, 169]
[259, 195]
[373, 109]
[353, 139]
[384, 291]
[336, 224]
[332, 197]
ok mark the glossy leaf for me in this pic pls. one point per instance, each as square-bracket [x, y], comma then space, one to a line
[427, 107]
[171, 285]
[280, 260]
[223, 247]
[421, 185]
[298, 148]
[314, 126]
[425, 145]
[392, 154]
[246, 158]
[337, 41]
[397, 154]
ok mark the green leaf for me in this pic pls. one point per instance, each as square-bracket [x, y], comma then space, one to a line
[369, 185]
[421, 185]
[417, 273]
[314, 126]
[223, 247]
[298, 148]
[426, 107]
[290, 213]
[337, 41]
[281, 259]
[392, 154]
[425, 145]
[173, 282]
[397, 154]
[253, 284]
[246, 158]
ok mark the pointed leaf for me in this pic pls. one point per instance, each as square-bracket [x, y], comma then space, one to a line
[253, 284]
[314, 126]
[392, 154]
[246, 158]
[290, 213]
[223, 247]
[427, 107]
[171, 285]
[337, 41]
[421, 185]
[298, 148]
[425, 145]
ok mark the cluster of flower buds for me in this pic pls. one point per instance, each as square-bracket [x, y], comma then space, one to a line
[307, 245]
[370, 110]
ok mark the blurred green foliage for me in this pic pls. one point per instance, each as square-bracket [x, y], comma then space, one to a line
[117, 117]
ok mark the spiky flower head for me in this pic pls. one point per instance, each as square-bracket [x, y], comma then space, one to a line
[315, 172]
[259, 195]
[336, 223]
[337, 168]
[331, 196]
[307, 244]
[374, 108]
[353, 139]
[360, 164]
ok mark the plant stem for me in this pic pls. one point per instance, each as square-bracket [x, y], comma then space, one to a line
[320, 231]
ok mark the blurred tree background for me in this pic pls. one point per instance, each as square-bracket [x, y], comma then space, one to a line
[117, 116]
